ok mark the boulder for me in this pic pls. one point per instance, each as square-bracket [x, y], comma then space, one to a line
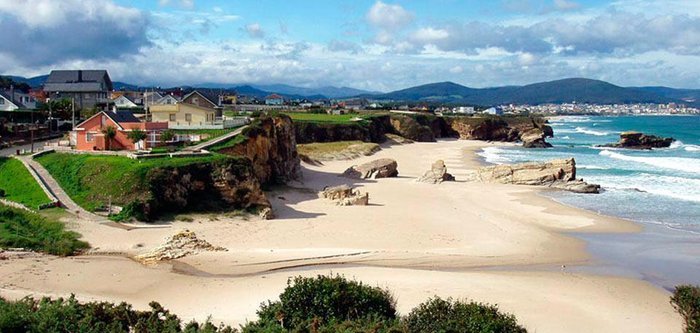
[556, 173]
[182, 244]
[381, 168]
[344, 195]
[637, 140]
[535, 138]
[437, 174]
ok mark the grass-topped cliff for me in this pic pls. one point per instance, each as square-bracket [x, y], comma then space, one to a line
[148, 188]
[19, 186]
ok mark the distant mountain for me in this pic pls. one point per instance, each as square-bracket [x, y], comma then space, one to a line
[328, 91]
[687, 95]
[33, 82]
[561, 91]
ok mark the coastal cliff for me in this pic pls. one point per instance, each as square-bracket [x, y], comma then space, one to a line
[271, 146]
[372, 129]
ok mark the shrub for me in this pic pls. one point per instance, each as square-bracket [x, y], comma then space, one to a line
[323, 301]
[438, 315]
[686, 300]
[68, 315]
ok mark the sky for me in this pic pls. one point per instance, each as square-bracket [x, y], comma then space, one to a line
[366, 44]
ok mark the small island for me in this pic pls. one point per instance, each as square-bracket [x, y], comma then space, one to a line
[637, 140]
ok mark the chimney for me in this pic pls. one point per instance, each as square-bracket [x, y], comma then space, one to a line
[80, 76]
[12, 93]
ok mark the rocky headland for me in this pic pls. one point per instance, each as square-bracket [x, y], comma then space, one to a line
[637, 140]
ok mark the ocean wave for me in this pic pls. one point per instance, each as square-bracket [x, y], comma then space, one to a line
[691, 165]
[686, 189]
[591, 167]
[680, 145]
[565, 138]
[494, 155]
[570, 119]
[691, 148]
[589, 131]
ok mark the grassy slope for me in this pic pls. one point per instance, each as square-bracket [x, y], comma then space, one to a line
[91, 180]
[19, 185]
[337, 150]
[328, 118]
[28, 230]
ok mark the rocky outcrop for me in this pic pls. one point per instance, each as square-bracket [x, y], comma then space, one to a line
[557, 173]
[531, 131]
[373, 129]
[270, 144]
[437, 174]
[534, 138]
[224, 184]
[636, 140]
[381, 168]
[182, 244]
[336, 151]
[345, 195]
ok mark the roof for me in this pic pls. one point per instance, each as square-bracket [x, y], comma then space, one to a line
[127, 98]
[209, 96]
[118, 117]
[274, 96]
[78, 81]
[7, 94]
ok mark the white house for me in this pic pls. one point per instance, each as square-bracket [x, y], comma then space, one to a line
[464, 110]
[167, 99]
[496, 110]
[14, 100]
[123, 102]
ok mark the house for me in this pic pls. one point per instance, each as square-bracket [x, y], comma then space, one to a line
[167, 99]
[274, 99]
[151, 97]
[12, 100]
[203, 99]
[88, 88]
[124, 102]
[89, 136]
[496, 110]
[464, 110]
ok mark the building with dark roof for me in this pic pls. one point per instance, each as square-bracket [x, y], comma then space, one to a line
[13, 100]
[88, 88]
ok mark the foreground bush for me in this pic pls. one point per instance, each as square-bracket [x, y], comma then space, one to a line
[438, 315]
[67, 315]
[686, 300]
[322, 301]
[23, 229]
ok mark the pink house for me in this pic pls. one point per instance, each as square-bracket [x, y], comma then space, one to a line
[89, 134]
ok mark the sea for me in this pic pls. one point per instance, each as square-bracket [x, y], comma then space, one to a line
[659, 188]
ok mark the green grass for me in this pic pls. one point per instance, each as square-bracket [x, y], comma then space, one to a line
[92, 180]
[325, 151]
[236, 140]
[23, 229]
[19, 185]
[329, 118]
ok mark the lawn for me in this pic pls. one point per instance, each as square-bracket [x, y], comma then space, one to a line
[94, 180]
[23, 229]
[329, 118]
[232, 142]
[19, 185]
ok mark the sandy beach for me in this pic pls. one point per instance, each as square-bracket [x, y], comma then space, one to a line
[483, 242]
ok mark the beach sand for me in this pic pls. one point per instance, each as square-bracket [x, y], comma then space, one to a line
[485, 242]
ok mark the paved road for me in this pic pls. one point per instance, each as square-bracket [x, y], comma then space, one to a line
[12, 150]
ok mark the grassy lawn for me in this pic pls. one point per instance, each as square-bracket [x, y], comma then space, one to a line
[212, 133]
[339, 150]
[19, 185]
[236, 140]
[22, 229]
[92, 180]
[328, 118]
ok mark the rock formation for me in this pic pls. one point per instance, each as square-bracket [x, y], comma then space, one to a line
[271, 147]
[381, 168]
[557, 173]
[182, 244]
[534, 138]
[636, 140]
[437, 174]
[344, 195]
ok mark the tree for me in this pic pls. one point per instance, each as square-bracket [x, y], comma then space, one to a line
[167, 136]
[110, 132]
[137, 135]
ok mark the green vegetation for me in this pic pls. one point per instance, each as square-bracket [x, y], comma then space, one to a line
[68, 315]
[94, 180]
[230, 143]
[19, 185]
[109, 132]
[23, 229]
[438, 315]
[136, 135]
[324, 304]
[686, 300]
[324, 151]
[329, 118]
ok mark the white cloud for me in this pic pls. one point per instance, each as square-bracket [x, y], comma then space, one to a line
[389, 17]
[187, 4]
[429, 35]
[254, 30]
[566, 5]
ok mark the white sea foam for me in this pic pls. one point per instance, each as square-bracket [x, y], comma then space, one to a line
[687, 189]
[680, 145]
[590, 131]
[566, 138]
[494, 155]
[691, 148]
[691, 165]
[570, 119]
[591, 167]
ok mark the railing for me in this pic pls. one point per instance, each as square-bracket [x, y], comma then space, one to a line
[218, 123]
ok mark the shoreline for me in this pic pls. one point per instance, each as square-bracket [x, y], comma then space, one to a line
[453, 240]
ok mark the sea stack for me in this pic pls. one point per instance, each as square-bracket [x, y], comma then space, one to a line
[637, 140]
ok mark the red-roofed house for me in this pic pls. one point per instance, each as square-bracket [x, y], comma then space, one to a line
[274, 99]
[89, 136]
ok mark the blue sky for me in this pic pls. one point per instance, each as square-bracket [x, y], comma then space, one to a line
[368, 44]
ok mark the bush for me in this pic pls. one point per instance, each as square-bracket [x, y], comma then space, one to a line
[438, 315]
[686, 300]
[68, 315]
[324, 301]
[22, 229]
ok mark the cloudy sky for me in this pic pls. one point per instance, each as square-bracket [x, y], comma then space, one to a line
[368, 44]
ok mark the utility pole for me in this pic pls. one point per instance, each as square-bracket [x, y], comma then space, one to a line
[72, 106]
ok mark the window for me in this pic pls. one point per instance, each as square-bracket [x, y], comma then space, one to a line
[195, 100]
[172, 117]
[89, 137]
[2, 101]
[188, 117]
